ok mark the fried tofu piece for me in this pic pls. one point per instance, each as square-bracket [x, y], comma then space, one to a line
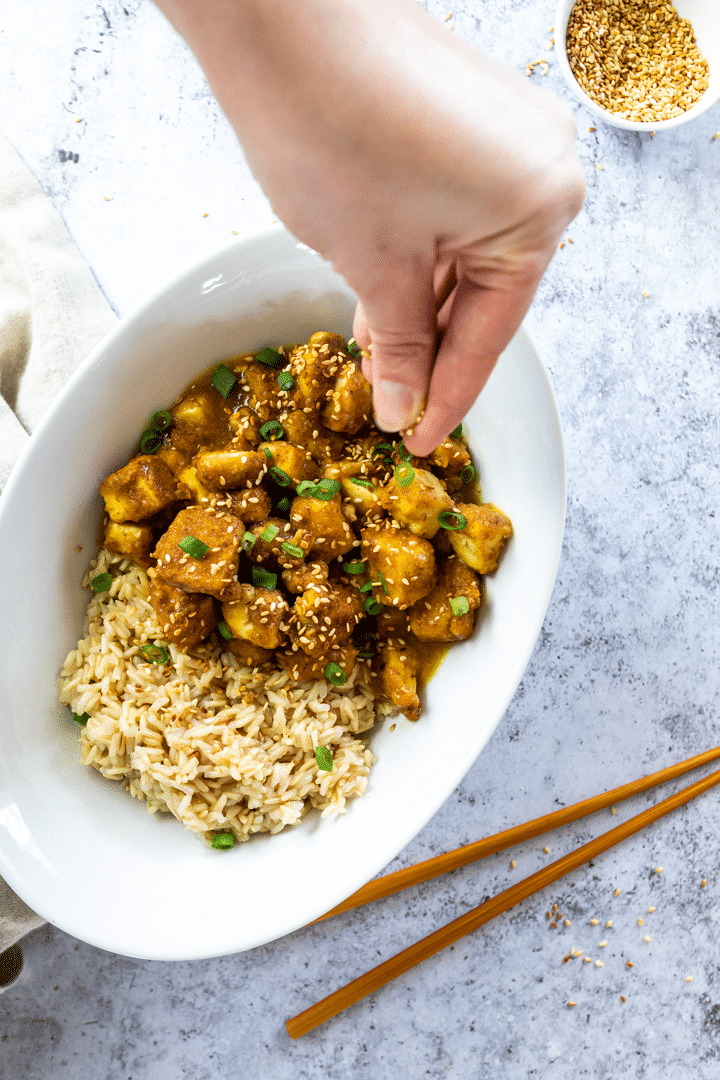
[249, 504]
[297, 579]
[405, 561]
[314, 367]
[432, 618]
[293, 460]
[325, 521]
[215, 571]
[199, 492]
[350, 406]
[324, 616]
[398, 668]
[301, 667]
[247, 653]
[185, 618]
[135, 541]
[451, 455]
[256, 615]
[419, 504]
[228, 470]
[197, 419]
[320, 443]
[266, 395]
[140, 489]
[366, 500]
[270, 535]
[245, 425]
[481, 543]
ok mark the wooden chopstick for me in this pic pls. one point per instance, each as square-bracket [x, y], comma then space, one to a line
[421, 950]
[462, 856]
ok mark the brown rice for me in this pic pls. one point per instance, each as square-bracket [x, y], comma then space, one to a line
[221, 746]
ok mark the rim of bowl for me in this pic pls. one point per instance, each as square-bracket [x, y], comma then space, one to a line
[562, 17]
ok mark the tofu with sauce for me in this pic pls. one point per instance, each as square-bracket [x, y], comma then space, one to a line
[185, 618]
[432, 618]
[405, 561]
[256, 615]
[140, 489]
[481, 543]
[214, 571]
[417, 505]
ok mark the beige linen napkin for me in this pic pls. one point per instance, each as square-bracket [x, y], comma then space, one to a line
[52, 314]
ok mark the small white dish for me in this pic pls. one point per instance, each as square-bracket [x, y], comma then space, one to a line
[704, 16]
[74, 845]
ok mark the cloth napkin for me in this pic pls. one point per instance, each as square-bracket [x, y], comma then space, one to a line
[52, 314]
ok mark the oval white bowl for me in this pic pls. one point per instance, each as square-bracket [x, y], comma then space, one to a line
[704, 16]
[74, 845]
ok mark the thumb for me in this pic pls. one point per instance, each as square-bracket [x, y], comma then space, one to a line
[399, 313]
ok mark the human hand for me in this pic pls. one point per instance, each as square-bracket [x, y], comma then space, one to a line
[396, 151]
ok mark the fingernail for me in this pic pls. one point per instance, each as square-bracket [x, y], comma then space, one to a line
[396, 405]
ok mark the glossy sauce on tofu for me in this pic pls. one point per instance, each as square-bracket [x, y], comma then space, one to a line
[273, 516]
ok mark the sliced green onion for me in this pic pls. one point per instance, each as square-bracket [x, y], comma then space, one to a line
[264, 579]
[323, 757]
[270, 533]
[357, 567]
[452, 520]
[269, 357]
[283, 506]
[354, 349]
[286, 380]
[193, 547]
[248, 541]
[161, 420]
[459, 605]
[361, 482]
[403, 452]
[155, 654]
[306, 488]
[335, 674]
[81, 718]
[150, 442]
[383, 582]
[280, 476]
[223, 380]
[222, 840]
[101, 583]
[373, 607]
[368, 586]
[326, 489]
[467, 475]
[404, 474]
[292, 549]
[367, 653]
[382, 448]
[457, 432]
[267, 453]
[273, 429]
[224, 630]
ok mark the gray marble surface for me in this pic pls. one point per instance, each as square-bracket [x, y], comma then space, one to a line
[112, 115]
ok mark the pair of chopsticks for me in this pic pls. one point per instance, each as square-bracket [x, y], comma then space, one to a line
[413, 875]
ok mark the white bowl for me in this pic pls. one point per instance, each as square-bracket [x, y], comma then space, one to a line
[74, 845]
[704, 16]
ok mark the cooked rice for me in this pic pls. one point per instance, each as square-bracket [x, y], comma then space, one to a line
[223, 747]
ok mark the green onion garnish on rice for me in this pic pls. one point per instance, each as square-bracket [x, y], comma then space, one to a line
[222, 840]
[223, 380]
[81, 718]
[335, 674]
[101, 583]
[155, 654]
[324, 758]
[193, 547]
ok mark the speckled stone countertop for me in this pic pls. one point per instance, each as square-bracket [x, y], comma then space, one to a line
[113, 117]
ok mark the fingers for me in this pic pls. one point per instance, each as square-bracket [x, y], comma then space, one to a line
[482, 323]
[398, 316]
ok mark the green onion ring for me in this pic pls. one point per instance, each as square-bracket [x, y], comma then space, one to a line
[269, 357]
[404, 474]
[324, 758]
[223, 380]
[161, 420]
[306, 488]
[273, 429]
[335, 674]
[101, 583]
[357, 567]
[459, 605]
[264, 579]
[285, 380]
[373, 607]
[457, 432]
[150, 441]
[222, 840]
[293, 549]
[446, 520]
[154, 654]
[280, 476]
[224, 630]
[193, 547]
[467, 475]
[270, 533]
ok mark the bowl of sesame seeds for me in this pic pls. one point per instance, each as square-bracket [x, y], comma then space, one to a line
[647, 65]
